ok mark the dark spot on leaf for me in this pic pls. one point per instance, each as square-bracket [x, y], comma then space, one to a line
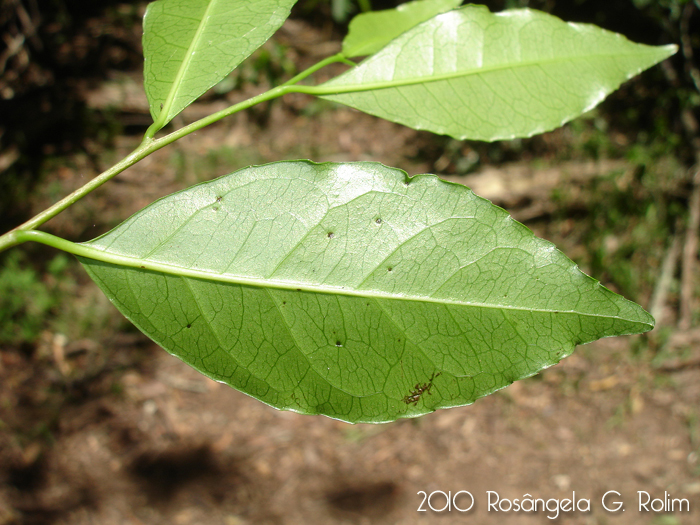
[378, 220]
[390, 268]
[298, 289]
[161, 105]
[218, 199]
[284, 302]
[216, 209]
[338, 343]
[189, 326]
[331, 235]
[143, 267]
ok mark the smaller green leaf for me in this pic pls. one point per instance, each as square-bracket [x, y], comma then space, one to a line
[191, 45]
[476, 75]
[369, 32]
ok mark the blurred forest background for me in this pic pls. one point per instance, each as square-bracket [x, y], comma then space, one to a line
[97, 425]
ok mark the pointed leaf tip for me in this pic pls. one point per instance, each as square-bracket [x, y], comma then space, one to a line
[472, 74]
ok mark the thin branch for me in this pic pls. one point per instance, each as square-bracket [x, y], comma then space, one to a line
[668, 268]
[690, 248]
[13, 46]
[146, 147]
[690, 252]
[150, 145]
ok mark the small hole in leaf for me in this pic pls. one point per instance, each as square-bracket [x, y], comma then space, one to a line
[378, 220]
[331, 235]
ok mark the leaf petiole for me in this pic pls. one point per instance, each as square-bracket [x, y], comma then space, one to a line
[323, 63]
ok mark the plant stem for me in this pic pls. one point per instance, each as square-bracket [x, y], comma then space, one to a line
[131, 159]
[20, 236]
[146, 147]
[150, 145]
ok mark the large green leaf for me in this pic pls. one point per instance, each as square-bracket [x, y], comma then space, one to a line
[351, 290]
[191, 45]
[369, 32]
[472, 74]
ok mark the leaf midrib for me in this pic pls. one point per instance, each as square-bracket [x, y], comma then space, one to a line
[339, 89]
[169, 101]
[83, 250]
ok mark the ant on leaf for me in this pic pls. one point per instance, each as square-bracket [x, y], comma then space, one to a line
[419, 389]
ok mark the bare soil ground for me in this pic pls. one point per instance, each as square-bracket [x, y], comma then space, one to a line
[158, 443]
[113, 430]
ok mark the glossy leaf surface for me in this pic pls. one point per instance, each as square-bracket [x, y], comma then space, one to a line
[369, 32]
[473, 74]
[351, 290]
[191, 45]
